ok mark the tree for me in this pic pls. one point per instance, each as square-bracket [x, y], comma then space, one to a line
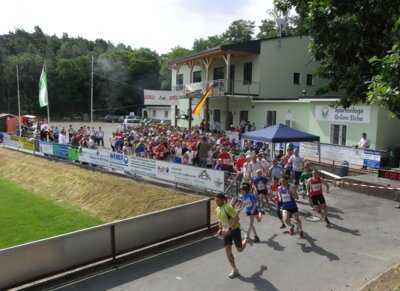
[205, 44]
[165, 71]
[384, 89]
[267, 29]
[345, 36]
[239, 31]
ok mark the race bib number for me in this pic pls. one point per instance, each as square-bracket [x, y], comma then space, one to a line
[260, 186]
[316, 187]
[247, 203]
[285, 197]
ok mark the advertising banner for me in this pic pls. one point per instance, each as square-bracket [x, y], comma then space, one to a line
[11, 141]
[156, 97]
[46, 147]
[189, 175]
[73, 154]
[60, 150]
[355, 156]
[119, 162]
[95, 157]
[143, 166]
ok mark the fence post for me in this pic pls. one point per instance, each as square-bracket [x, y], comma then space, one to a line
[113, 251]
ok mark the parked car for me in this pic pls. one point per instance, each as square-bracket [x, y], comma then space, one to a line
[121, 119]
[132, 122]
[111, 118]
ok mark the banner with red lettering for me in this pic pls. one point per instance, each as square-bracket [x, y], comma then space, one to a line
[156, 97]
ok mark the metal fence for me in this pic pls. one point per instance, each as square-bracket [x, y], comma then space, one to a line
[29, 262]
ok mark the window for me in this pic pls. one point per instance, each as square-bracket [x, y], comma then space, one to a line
[217, 115]
[338, 134]
[310, 80]
[247, 73]
[154, 113]
[219, 73]
[179, 79]
[296, 78]
[271, 118]
[166, 113]
[196, 76]
[243, 115]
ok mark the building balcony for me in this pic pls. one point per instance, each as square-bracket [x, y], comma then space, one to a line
[235, 88]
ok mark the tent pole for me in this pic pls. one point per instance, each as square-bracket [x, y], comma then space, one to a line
[319, 152]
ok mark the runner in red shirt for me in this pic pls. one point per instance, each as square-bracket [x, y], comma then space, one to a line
[314, 190]
[227, 163]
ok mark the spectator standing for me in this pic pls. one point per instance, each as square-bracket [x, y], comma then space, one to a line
[203, 147]
[364, 143]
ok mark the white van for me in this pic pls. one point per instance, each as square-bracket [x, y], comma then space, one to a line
[132, 122]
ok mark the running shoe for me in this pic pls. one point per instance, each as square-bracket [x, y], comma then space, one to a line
[283, 226]
[234, 274]
[291, 230]
[256, 239]
[249, 240]
[301, 234]
[327, 221]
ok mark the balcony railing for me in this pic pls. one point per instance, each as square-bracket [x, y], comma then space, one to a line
[234, 88]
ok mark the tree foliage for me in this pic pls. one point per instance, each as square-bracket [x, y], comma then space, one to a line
[345, 36]
[239, 31]
[120, 73]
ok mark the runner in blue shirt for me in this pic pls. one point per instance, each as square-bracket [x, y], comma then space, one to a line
[289, 207]
[249, 202]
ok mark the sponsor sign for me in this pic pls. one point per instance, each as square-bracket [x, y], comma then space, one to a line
[11, 141]
[309, 149]
[60, 150]
[189, 175]
[95, 157]
[154, 97]
[179, 173]
[119, 162]
[353, 114]
[361, 157]
[46, 147]
[73, 154]
[143, 166]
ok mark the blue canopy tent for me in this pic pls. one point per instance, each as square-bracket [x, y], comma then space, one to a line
[281, 133]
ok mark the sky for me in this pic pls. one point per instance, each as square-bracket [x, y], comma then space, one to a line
[159, 25]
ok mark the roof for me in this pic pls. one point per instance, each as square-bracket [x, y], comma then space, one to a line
[280, 133]
[242, 48]
[6, 114]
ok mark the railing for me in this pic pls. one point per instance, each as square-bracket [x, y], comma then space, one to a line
[234, 88]
[33, 261]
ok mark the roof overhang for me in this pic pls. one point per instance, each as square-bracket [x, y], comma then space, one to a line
[235, 50]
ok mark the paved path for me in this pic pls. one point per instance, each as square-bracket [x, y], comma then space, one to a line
[363, 242]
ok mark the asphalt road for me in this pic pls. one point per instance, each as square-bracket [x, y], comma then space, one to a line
[362, 242]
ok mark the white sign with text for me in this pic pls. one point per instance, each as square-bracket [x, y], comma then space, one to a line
[353, 114]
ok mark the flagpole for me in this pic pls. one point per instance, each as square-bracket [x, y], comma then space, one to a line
[48, 103]
[19, 104]
[91, 97]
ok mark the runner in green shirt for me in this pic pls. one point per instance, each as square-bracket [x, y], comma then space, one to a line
[229, 230]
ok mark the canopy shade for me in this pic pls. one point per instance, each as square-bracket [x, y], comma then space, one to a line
[279, 133]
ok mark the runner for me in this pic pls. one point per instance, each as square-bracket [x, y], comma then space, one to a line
[249, 201]
[261, 189]
[289, 206]
[275, 170]
[229, 230]
[314, 190]
[305, 175]
[278, 202]
[296, 161]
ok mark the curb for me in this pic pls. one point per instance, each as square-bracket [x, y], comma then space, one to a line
[363, 288]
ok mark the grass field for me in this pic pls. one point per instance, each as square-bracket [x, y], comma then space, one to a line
[41, 198]
[26, 216]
